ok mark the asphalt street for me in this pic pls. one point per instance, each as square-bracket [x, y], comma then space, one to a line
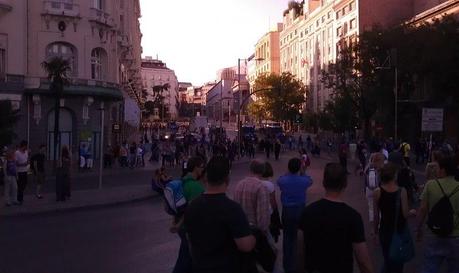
[130, 238]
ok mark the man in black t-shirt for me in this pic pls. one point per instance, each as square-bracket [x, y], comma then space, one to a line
[333, 231]
[217, 228]
[37, 163]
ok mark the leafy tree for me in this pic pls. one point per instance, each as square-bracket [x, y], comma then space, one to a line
[57, 69]
[157, 101]
[281, 96]
[8, 118]
[256, 110]
[352, 80]
[426, 59]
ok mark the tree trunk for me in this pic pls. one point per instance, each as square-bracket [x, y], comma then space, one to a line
[56, 129]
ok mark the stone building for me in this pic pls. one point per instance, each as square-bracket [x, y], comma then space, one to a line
[100, 39]
[155, 72]
[314, 31]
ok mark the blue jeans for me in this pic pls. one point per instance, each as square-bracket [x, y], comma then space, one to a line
[438, 250]
[290, 221]
[183, 263]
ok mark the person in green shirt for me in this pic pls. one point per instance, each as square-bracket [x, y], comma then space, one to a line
[439, 249]
[192, 188]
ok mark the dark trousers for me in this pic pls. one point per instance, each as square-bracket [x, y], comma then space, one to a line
[268, 151]
[22, 183]
[343, 162]
[183, 263]
[62, 185]
[276, 154]
[290, 220]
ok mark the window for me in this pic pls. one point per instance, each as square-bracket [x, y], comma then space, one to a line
[352, 24]
[122, 23]
[339, 31]
[338, 14]
[98, 4]
[343, 11]
[65, 51]
[2, 64]
[122, 4]
[98, 61]
[352, 5]
[329, 15]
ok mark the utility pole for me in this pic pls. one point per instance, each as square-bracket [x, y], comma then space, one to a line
[101, 150]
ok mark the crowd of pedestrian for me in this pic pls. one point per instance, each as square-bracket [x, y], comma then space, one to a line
[239, 234]
[18, 165]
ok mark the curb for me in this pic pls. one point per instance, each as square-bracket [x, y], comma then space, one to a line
[79, 207]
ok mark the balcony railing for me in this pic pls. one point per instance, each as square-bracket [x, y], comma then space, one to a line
[6, 5]
[61, 9]
[101, 17]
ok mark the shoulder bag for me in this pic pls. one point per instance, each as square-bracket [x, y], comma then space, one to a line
[401, 247]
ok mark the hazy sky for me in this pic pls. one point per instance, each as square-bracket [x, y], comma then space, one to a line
[197, 37]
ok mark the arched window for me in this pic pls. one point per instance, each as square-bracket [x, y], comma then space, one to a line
[98, 64]
[65, 51]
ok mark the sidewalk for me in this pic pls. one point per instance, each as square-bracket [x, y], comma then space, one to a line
[80, 199]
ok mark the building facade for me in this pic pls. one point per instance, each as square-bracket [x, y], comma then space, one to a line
[314, 31]
[155, 72]
[101, 41]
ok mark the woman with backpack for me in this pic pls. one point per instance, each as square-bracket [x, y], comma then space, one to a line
[391, 203]
[376, 162]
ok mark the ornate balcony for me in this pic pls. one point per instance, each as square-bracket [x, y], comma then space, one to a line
[6, 5]
[61, 9]
[101, 17]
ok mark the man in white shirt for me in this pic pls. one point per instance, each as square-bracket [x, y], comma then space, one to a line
[22, 167]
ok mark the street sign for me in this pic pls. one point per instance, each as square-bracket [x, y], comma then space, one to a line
[432, 119]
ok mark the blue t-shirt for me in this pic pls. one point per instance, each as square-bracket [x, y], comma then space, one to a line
[293, 189]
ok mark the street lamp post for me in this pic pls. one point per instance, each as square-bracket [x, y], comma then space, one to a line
[240, 98]
[392, 58]
[241, 105]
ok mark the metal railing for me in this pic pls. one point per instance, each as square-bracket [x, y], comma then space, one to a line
[61, 8]
[101, 17]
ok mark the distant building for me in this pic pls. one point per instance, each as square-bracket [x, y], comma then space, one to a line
[100, 39]
[155, 72]
[314, 31]
[222, 99]
[183, 91]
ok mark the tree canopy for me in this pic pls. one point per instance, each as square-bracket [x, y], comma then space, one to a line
[280, 97]
[363, 77]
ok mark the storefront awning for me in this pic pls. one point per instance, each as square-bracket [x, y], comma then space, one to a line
[80, 90]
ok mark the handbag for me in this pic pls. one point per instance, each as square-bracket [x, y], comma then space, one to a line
[401, 246]
[265, 254]
[276, 225]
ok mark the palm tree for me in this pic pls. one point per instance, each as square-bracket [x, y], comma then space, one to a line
[57, 69]
[158, 96]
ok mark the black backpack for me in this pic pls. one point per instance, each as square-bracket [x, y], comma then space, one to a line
[441, 216]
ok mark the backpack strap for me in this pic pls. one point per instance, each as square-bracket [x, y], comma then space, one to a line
[441, 188]
[456, 190]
